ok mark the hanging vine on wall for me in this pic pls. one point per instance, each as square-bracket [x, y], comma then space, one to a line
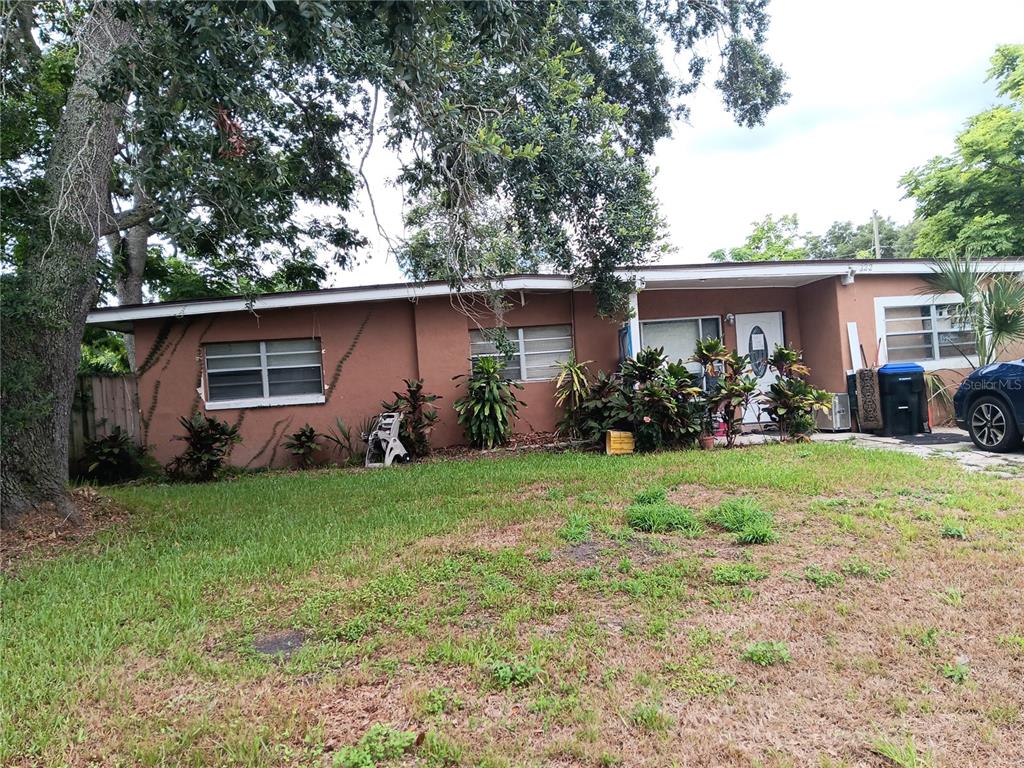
[348, 353]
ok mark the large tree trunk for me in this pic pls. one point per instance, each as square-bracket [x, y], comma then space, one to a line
[57, 283]
[130, 252]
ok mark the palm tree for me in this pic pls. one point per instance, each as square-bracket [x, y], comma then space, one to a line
[992, 306]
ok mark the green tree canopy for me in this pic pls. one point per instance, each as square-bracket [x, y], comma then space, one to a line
[773, 239]
[973, 200]
[237, 132]
[844, 240]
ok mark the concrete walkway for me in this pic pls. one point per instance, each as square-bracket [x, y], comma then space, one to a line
[946, 442]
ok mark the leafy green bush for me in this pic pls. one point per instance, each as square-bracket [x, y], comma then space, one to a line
[737, 574]
[489, 406]
[209, 443]
[572, 390]
[766, 653]
[303, 445]
[790, 401]
[662, 517]
[418, 418]
[745, 517]
[113, 458]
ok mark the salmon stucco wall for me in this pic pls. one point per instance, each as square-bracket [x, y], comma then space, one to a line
[367, 350]
[682, 303]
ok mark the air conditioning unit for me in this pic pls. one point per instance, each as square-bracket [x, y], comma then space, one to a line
[837, 418]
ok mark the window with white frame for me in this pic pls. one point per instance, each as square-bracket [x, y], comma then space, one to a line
[921, 332]
[679, 337]
[537, 350]
[250, 373]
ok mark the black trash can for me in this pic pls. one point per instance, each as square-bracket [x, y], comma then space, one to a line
[903, 398]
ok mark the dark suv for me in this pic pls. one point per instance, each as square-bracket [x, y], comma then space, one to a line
[990, 405]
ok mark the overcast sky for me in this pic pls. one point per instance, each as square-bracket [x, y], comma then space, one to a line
[878, 87]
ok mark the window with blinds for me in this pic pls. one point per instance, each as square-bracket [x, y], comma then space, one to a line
[679, 337]
[247, 373]
[537, 350]
[926, 332]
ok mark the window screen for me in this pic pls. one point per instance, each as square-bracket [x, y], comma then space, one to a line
[679, 337]
[926, 332]
[537, 350]
[263, 370]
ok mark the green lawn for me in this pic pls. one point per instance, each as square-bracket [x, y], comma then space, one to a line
[504, 612]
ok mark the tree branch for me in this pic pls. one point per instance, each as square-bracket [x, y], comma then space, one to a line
[127, 219]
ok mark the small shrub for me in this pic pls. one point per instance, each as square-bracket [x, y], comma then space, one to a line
[953, 529]
[572, 390]
[652, 495]
[512, 673]
[737, 574]
[303, 445]
[113, 458]
[822, 578]
[380, 744]
[745, 517]
[490, 406]
[418, 417]
[209, 443]
[662, 517]
[766, 653]
[576, 528]
[349, 445]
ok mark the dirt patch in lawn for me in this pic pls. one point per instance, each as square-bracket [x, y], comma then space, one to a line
[45, 534]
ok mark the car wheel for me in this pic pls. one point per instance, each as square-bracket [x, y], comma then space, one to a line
[991, 425]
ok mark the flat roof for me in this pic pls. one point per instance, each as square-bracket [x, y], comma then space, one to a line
[656, 276]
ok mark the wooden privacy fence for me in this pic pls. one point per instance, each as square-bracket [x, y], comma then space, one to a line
[102, 403]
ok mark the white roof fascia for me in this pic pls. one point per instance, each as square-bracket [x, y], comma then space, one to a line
[408, 291]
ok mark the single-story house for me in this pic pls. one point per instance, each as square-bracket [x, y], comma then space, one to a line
[276, 362]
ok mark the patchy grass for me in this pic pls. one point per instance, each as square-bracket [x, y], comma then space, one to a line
[767, 653]
[662, 517]
[498, 613]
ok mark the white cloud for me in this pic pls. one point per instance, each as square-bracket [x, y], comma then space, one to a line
[878, 87]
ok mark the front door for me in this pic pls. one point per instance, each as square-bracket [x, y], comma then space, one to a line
[757, 335]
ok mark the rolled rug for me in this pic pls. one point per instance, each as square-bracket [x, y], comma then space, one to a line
[869, 406]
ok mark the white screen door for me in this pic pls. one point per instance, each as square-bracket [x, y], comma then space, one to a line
[757, 334]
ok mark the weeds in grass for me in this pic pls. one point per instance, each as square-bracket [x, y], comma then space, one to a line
[902, 754]
[380, 744]
[952, 596]
[648, 715]
[926, 638]
[439, 701]
[859, 568]
[745, 517]
[512, 673]
[766, 653]
[957, 671]
[953, 529]
[576, 528]
[701, 637]
[822, 578]
[1015, 644]
[663, 517]
[652, 495]
[697, 679]
[737, 574]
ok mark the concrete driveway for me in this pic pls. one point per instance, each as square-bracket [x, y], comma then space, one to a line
[948, 442]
